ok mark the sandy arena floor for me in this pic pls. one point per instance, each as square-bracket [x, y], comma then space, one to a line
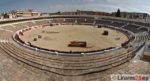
[58, 37]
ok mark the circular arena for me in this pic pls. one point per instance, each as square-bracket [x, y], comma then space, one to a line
[72, 46]
[58, 38]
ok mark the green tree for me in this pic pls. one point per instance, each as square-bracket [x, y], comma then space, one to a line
[118, 14]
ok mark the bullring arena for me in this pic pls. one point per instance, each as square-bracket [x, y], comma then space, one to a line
[58, 37]
[71, 48]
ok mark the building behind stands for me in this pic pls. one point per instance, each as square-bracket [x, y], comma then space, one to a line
[81, 12]
[132, 15]
[25, 13]
[127, 15]
[19, 13]
[32, 13]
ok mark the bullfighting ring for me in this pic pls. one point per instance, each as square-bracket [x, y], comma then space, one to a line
[74, 49]
[58, 38]
[68, 48]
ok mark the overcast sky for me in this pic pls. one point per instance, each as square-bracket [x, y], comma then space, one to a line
[72, 5]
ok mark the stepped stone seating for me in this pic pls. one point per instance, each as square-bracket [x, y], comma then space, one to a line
[42, 22]
[143, 29]
[30, 24]
[143, 24]
[13, 28]
[5, 35]
[19, 26]
[115, 20]
[67, 65]
[132, 28]
[117, 24]
[8, 27]
[103, 22]
[128, 21]
[142, 38]
[58, 20]
[13, 70]
[70, 20]
[79, 20]
[87, 21]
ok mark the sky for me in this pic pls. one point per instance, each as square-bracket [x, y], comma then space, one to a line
[73, 5]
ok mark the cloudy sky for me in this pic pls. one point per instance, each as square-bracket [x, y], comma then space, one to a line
[72, 5]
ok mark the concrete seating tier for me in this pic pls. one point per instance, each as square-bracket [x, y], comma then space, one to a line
[69, 65]
[5, 35]
[42, 22]
[143, 38]
[117, 24]
[30, 24]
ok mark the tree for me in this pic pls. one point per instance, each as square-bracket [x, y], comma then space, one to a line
[118, 14]
[59, 12]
